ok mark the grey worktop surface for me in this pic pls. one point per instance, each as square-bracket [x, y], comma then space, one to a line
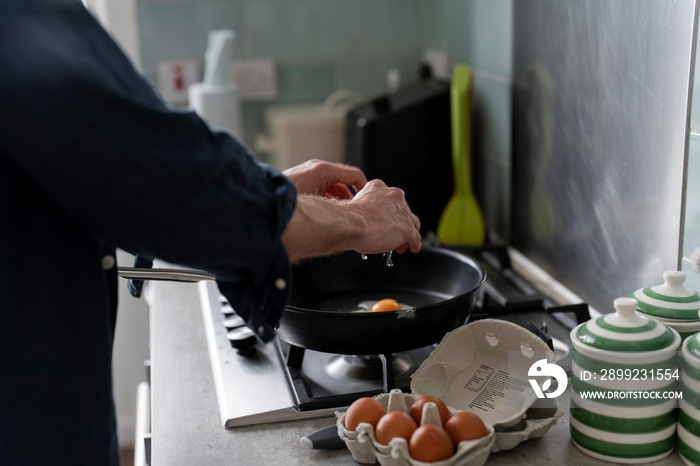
[186, 428]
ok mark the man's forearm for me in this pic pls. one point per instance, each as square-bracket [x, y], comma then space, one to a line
[377, 219]
[320, 227]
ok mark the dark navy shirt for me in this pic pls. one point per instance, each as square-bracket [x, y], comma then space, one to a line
[92, 160]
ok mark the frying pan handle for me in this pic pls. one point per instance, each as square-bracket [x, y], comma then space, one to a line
[175, 275]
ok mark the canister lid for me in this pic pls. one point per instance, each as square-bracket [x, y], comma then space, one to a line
[671, 300]
[626, 330]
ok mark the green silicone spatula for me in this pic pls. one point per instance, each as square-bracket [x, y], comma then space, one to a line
[461, 223]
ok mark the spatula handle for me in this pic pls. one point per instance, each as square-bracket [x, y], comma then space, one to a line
[460, 106]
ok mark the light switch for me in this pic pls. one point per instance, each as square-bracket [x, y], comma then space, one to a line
[174, 77]
[256, 78]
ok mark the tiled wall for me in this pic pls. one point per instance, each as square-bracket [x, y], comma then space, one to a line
[479, 33]
[324, 45]
[319, 45]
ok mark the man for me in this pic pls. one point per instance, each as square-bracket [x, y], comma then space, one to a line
[92, 160]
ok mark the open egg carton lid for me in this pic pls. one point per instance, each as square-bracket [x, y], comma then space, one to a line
[482, 367]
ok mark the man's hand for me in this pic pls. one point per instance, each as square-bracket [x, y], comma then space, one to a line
[388, 221]
[328, 179]
[329, 220]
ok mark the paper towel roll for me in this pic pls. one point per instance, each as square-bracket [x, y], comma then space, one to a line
[218, 105]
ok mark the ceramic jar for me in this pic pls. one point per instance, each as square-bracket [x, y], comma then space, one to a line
[671, 303]
[689, 420]
[623, 380]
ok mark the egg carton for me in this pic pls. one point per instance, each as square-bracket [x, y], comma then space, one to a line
[365, 448]
[463, 356]
[537, 422]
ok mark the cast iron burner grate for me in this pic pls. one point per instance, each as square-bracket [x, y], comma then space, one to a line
[504, 295]
[320, 380]
[508, 296]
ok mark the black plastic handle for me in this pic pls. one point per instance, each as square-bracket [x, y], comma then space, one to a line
[323, 439]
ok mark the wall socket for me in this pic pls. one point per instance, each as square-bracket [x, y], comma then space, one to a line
[256, 78]
[439, 62]
[173, 77]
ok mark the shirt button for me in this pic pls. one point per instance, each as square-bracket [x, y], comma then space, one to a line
[280, 284]
[108, 262]
[261, 330]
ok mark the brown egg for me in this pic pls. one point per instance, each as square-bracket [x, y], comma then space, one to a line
[417, 408]
[363, 410]
[394, 424]
[465, 426]
[430, 443]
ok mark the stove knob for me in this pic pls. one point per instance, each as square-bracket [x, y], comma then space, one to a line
[243, 339]
[233, 322]
[227, 310]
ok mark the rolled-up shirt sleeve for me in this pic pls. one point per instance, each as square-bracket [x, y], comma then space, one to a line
[260, 302]
[88, 130]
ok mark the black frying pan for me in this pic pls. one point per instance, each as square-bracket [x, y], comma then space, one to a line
[439, 283]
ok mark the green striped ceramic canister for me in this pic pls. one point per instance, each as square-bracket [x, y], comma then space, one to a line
[612, 333]
[689, 418]
[591, 374]
[624, 378]
[690, 372]
[671, 300]
[689, 433]
[635, 425]
[685, 334]
[624, 448]
[638, 432]
[687, 444]
[691, 352]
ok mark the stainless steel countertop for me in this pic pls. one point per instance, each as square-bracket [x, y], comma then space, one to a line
[186, 428]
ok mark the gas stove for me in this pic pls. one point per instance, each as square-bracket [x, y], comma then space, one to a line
[258, 383]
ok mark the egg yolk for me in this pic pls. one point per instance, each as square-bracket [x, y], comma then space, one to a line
[386, 305]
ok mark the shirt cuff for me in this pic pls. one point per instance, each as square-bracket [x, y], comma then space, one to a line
[262, 309]
[261, 305]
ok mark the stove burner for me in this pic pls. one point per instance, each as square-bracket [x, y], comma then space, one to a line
[317, 379]
[344, 367]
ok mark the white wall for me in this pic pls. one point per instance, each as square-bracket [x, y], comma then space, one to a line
[119, 18]
[131, 349]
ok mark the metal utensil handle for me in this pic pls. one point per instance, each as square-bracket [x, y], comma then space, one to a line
[175, 275]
